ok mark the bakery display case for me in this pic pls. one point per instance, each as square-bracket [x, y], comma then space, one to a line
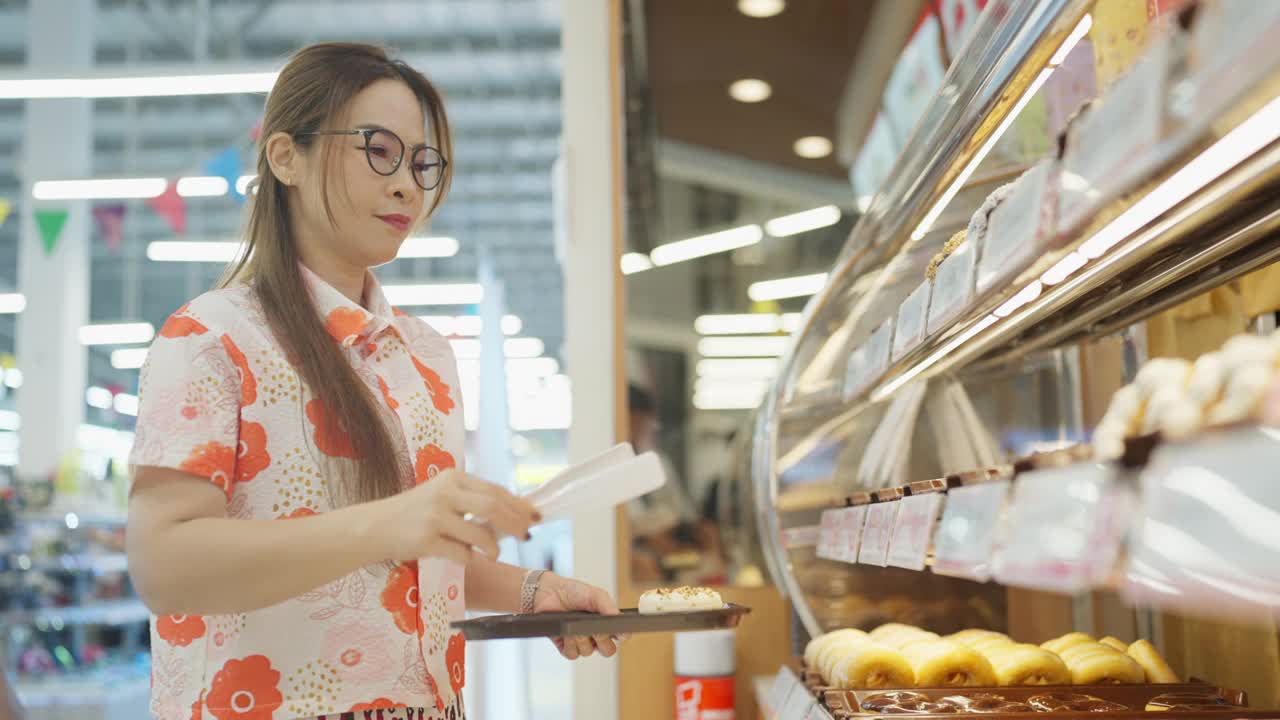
[1040, 392]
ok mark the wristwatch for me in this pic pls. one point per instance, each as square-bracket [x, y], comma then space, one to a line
[529, 590]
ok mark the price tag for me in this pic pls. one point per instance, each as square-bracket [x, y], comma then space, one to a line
[1109, 147]
[1230, 44]
[966, 537]
[952, 287]
[797, 705]
[817, 712]
[855, 373]
[1207, 540]
[1064, 529]
[876, 534]
[783, 684]
[828, 542]
[913, 530]
[879, 348]
[800, 537]
[850, 534]
[1018, 228]
[913, 317]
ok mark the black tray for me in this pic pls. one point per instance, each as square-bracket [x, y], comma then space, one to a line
[503, 627]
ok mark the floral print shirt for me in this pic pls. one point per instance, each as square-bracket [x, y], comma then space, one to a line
[219, 399]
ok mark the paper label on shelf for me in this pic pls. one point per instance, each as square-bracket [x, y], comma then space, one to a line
[913, 530]
[876, 158]
[855, 369]
[1105, 146]
[913, 317]
[827, 534]
[952, 287]
[876, 534]
[1230, 42]
[817, 712]
[783, 684]
[797, 705]
[850, 533]
[800, 537]
[967, 535]
[868, 363]
[1207, 541]
[1018, 228]
[1063, 530]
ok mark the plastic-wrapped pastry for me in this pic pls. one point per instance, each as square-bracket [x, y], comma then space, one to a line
[943, 663]
[1058, 645]
[1093, 663]
[815, 645]
[868, 664]
[1116, 643]
[1027, 664]
[1153, 665]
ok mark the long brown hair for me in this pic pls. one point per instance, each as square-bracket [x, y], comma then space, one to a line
[314, 89]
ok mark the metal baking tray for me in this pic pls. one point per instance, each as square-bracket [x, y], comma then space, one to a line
[1180, 697]
[630, 622]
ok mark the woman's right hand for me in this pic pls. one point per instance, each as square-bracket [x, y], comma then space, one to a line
[430, 520]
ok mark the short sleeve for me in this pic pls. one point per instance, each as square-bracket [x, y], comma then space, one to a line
[189, 394]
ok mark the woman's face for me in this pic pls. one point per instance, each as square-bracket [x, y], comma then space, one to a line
[372, 213]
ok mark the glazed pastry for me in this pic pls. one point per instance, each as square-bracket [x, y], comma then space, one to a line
[969, 637]
[1027, 665]
[943, 663]
[880, 701]
[1058, 701]
[1153, 665]
[868, 664]
[1057, 645]
[898, 635]
[817, 644]
[917, 707]
[1186, 701]
[682, 599]
[1093, 663]
[1114, 643]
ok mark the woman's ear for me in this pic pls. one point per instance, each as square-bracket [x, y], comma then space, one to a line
[285, 158]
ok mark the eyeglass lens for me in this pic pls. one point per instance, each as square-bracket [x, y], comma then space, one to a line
[385, 150]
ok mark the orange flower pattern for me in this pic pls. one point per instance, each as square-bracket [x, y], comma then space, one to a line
[180, 630]
[430, 462]
[400, 598]
[455, 659]
[219, 399]
[247, 689]
[435, 387]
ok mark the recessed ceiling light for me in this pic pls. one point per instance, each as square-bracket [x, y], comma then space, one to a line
[750, 90]
[761, 8]
[813, 147]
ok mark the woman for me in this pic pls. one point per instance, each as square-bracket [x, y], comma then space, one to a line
[298, 521]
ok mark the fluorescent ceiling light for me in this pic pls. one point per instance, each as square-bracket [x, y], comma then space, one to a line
[137, 86]
[791, 322]
[202, 186]
[13, 378]
[213, 251]
[738, 367]
[744, 346]
[800, 286]
[126, 404]
[800, 222]
[98, 397]
[128, 358]
[711, 385]
[117, 334]
[520, 348]
[702, 245]
[864, 203]
[469, 325]
[518, 369]
[12, 303]
[428, 247]
[750, 90]
[747, 324]
[718, 401]
[242, 183]
[761, 8]
[103, 189]
[10, 420]
[440, 294]
[633, 262]
[813, 147]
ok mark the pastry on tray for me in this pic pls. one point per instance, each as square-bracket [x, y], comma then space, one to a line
[681, 599]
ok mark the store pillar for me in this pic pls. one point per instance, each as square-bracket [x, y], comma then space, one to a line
[53, 272]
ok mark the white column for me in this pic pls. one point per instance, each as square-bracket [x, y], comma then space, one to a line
[590, 95]
[57, 144]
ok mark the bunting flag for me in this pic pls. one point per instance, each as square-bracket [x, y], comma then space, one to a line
[4, 210]
[171, 206]
[226, 165]
[50, 223]
[110, 219]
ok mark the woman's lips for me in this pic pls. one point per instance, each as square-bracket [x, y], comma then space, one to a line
[399, 222]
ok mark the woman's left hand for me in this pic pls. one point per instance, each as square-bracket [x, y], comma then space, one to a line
[558, 594]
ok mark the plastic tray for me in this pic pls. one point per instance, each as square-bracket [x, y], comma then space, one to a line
[630, 622]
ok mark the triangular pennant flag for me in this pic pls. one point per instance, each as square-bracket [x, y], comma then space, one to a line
[4, 210]
[255, 132]
[50, 223]
[110, 220]
[170, 205]
[226, 164]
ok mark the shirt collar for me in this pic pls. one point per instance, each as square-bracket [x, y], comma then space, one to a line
[347, 322]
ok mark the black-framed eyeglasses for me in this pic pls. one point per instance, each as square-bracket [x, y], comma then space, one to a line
[385, 150]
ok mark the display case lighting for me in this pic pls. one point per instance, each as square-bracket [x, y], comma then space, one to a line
[803, 222]
[782, 288]
[703, 245]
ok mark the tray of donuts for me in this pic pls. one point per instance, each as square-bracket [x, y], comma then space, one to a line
[1139, 700]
